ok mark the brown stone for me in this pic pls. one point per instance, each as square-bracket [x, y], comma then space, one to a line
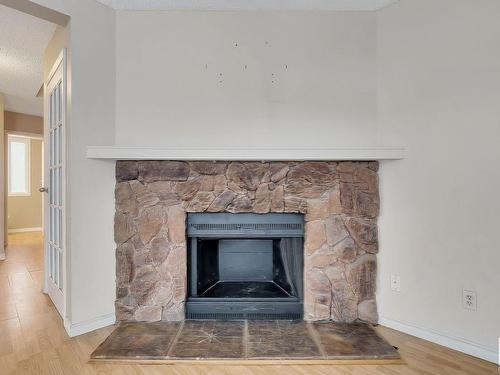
[366, 204]
[124, 254]
[242, 203]
[295, 204]
[209, 167]
[142, 267]
[262, 199]
[162, 295]
[278, 199]
[321, 260]
[373, 165]
[334, 202]
[144, 196]
[278, 171]
[335, 230]
[125, 227]
[304, 188]
[318, 282]
[335, 273]
[124, 312]
[317, 297]
[150, 222]
[214, 183]
[176, 221]
[346, 167]
[366, 180]
[125, 198]
[364, 232]
[362, 276]
[126, 170]
[247, 175]
[160, 248]
[367, 311]
[347, 197]
[220, 184]
[165, 190]
[143, 287]
[163, 170]
[344, 303]
[316, 173]
[317, 210]
[201, 201]
[188, 189]
[346, 250]
[315, 236]
[222, 201]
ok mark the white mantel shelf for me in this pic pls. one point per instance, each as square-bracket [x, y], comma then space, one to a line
[170, 153]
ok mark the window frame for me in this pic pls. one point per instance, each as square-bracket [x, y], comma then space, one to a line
[27, 142]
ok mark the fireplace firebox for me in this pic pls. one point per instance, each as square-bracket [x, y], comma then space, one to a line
[245, 266]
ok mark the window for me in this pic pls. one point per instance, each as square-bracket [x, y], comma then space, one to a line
[19, 165]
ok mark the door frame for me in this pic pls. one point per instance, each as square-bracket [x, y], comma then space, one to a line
[61, 59]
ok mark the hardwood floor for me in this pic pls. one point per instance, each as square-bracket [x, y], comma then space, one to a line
[33, 340]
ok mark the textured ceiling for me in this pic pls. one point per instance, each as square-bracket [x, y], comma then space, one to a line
[23, 39]
[248, 4]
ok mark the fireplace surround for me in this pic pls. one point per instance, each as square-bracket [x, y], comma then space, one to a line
[338, 200]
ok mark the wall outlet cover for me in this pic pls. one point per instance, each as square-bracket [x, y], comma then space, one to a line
[469, 300]
[396, 283]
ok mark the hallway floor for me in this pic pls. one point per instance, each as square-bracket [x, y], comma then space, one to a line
[33, 339]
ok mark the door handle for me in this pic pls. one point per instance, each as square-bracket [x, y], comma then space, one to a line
[43, 190]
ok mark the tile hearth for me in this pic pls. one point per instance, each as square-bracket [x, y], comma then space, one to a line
[244, 340]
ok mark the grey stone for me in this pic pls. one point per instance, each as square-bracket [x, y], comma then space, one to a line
[126, 170]
[222, 201]
[209, 167]
[163, 170]
[242, 203]
[247, 175]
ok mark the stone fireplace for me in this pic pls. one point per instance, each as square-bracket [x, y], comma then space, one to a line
[339, 201]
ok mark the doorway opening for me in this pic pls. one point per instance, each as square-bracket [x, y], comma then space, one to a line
[24, 179]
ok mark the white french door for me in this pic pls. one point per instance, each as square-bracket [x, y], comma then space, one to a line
[54, 179]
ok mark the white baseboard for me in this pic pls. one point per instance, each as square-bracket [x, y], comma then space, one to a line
[77, 329]
[455, 343]
[22, 230]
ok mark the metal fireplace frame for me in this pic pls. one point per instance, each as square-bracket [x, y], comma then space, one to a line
[222, 226]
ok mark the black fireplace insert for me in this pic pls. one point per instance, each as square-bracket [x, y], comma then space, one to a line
[245, 266]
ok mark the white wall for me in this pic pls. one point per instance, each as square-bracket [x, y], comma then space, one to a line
[91, 118]
[439, 94]
[168, 90]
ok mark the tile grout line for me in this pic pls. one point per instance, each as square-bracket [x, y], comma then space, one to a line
[176, 337]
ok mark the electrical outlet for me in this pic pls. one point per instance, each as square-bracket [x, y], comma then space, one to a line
[396, 283]
[469, 300]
